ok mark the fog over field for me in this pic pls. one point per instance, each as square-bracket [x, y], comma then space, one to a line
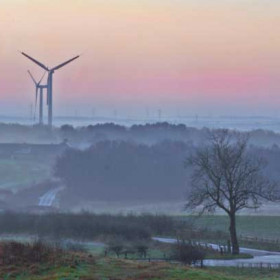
[109, 167]
[242, 123]
[139, 139]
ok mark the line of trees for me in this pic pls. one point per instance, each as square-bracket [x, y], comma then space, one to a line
[145, 134]
[114, 170]
[88, 226]
[118, 170]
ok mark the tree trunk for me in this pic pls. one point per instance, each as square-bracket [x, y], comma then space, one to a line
[233, 235]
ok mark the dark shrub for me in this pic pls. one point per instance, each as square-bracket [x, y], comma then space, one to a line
[37, 252]
[188, 253]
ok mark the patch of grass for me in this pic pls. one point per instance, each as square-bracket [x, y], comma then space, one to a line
[44, 272]
[161, 251]
[122, 269]
[118, 269]
[19, 173]
[228, 256]
[246, 273]
[259, 226]
[263, 231]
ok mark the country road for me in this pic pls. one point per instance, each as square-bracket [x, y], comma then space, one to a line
[48, 198]
[259, 256]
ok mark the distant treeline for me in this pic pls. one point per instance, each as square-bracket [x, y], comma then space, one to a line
[146, 134]
[113, 170]
[118, 170]
[88, 226]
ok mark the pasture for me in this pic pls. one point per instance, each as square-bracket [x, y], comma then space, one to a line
[253, 225]
[16, 174]
[84, 267]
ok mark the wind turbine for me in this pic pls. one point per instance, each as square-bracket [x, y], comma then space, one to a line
[50, 81]
[40, 87]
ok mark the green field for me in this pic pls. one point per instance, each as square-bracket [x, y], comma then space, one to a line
[258, 226]
[16, 174]
[86, 268]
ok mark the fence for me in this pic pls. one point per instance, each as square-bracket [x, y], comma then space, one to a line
[258, 265]
[259, 239]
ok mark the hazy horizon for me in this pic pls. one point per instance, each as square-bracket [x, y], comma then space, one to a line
[183, 57]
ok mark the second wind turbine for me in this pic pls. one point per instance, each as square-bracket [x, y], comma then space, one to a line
[40, 87]
[50, 82]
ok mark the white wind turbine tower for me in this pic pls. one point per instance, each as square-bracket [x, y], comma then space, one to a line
[50, 82]
[40, 87]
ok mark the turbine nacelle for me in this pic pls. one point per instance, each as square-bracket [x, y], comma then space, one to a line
[49, 83]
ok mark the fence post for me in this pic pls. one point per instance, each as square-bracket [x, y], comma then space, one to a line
[201, 263]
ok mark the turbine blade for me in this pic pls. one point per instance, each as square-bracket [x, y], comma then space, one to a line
[32, 77]
[42, 78]
[64, 63]
[35, 61]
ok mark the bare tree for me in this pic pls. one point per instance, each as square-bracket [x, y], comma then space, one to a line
[225, 176]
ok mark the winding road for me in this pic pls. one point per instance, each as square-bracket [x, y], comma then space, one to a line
[259, 256]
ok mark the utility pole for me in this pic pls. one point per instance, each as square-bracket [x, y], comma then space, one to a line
[31, 111]
[159, 114]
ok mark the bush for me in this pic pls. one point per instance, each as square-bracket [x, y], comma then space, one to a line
[188, 253]
[37, 252]
[116, 247]
[142, 250]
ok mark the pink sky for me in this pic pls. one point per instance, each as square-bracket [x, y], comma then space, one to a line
[194, 55]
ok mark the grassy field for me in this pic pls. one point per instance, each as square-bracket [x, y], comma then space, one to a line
[258, 226]
[257, 232]
[20, 173]
[160, 251]
[87, 268]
